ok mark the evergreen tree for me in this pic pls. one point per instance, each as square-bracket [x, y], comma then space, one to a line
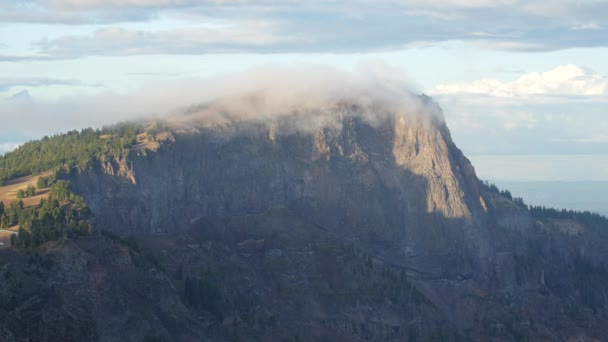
[52, 219]
[45, 182]
[506, 194]
[24, 239]
[587, 218]
[30, 191]
[41, 183]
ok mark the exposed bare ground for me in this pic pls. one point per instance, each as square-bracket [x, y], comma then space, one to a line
[144, 144]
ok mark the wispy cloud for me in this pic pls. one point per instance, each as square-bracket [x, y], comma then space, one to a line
[8, 83]
[26, 58]
[196, 40]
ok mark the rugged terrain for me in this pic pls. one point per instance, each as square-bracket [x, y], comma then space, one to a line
[350, 229]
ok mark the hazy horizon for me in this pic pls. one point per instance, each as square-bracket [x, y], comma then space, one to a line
[571, 195]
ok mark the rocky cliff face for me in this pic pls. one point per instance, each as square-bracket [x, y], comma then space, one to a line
[400, 185]
[396, 188]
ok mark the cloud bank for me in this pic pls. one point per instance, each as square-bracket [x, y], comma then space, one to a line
[258, 94]
[373, 92]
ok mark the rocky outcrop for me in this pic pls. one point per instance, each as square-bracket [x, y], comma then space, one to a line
[396, 188]
[400, 185]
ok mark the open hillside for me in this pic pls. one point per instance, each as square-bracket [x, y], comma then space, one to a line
[15, 190]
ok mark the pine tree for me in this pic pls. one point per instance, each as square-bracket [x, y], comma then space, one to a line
[41, 183]
[30, 191]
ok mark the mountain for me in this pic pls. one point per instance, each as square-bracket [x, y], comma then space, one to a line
[325, 225]
[22, 96]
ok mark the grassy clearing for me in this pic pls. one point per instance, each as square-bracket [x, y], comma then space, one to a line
[8, 193]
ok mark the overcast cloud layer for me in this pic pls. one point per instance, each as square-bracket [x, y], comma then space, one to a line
[267, 26]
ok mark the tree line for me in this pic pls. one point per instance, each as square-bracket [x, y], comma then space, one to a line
[504, 193]
[587, 218]
[67, 150]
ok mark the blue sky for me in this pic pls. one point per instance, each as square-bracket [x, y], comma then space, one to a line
[523, 84]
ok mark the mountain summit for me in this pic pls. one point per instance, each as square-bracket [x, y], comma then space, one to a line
[340, 222]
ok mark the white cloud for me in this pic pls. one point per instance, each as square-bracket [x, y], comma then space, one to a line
[8, 83]
[565, 80]
[260, 93]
